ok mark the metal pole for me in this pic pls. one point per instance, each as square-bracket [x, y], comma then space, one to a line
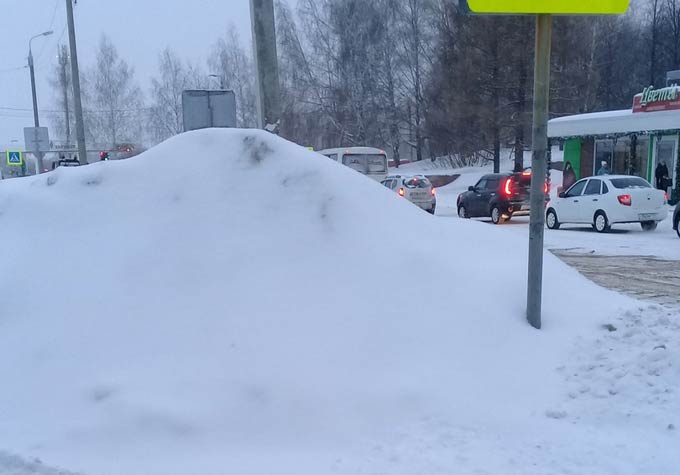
[539, 168]
[36, 118]
[63, 62]
[75, 78]
[264, 41]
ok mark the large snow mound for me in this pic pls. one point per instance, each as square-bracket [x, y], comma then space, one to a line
[229, 302]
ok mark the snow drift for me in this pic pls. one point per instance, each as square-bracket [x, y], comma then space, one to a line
[228, 302]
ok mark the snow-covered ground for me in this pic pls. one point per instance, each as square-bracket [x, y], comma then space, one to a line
[283, 314]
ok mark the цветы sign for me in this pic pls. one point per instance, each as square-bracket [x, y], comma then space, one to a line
[655, 100]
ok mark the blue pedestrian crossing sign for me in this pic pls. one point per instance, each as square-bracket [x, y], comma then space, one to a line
[15, 158]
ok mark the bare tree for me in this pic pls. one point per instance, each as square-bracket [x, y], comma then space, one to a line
[114, 102]
[655, 37]
[413, 55]
[672, 12]
[229, 60]
[60, 80]
[174, 76]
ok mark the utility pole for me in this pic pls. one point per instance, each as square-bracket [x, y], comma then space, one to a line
[539, 168]
[264, 39]
[63, 62]
[75, 78]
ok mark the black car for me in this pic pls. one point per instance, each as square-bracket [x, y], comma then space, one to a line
[498, 196]
[676, 219]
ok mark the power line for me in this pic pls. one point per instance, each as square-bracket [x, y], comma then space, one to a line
[11, 70]
[54, 15]
[102, 111]
[42, 50]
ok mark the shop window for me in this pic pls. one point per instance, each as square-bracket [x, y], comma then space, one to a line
[604, 152]
[621, 164]
[641, 156]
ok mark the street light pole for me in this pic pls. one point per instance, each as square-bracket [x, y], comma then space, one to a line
[36, 118]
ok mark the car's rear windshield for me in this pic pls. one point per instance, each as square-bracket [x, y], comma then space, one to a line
[416, 182]
[632, 182]
[366, 163]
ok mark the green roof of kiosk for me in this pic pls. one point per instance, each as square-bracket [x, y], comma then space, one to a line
[613, 122]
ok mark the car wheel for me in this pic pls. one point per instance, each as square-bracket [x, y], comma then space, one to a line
[649, 225]
[551, 220]
[463, 213]
[601, 223]
[496, 215]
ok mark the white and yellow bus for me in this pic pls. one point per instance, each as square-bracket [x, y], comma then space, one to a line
[368, 161]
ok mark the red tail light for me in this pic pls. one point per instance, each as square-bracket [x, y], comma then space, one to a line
[625, 200]
[507, 187]
[546, 188]
[665, 197]
[433, 192]
[402, 192]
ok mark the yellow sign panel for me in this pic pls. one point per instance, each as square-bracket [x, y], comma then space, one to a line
[565, 7]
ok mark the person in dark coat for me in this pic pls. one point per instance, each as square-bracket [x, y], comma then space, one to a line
[568, 176]
[661, 175]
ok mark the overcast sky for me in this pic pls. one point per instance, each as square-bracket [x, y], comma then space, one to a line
[140, 29]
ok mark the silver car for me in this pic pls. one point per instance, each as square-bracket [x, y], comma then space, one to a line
[415, 188]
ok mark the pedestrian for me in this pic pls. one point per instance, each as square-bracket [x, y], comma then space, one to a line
[604, 169]
[661, 175]
[568, 176]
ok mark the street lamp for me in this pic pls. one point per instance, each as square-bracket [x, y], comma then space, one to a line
[220, 77]
[36, 119]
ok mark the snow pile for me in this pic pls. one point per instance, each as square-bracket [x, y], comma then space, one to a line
[228, 302]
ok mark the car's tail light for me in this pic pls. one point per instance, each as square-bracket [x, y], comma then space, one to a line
[526, 173]
[507, 187]
[665, 197]
[433, 192]
[546, 188]
[402, 192]
[625, 200]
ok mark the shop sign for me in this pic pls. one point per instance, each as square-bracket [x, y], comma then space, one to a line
[656, 100]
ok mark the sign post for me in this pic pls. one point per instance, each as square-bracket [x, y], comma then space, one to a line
[543, 10]
[539, 168]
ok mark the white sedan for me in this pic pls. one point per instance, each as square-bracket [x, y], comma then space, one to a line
[610, 199]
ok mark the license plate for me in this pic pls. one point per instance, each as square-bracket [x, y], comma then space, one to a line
[418, 196]
[646, 216]
[525, 208]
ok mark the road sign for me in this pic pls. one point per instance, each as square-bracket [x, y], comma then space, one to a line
[204, 108]
[15, 158]
[37, 139]
[566, 7]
